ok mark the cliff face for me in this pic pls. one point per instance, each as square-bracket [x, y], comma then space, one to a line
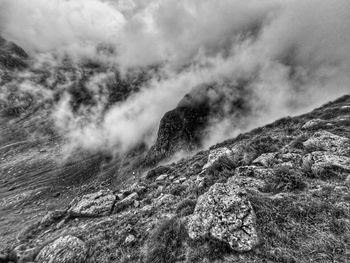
[279, 193]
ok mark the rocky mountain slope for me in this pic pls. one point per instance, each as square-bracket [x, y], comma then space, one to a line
[279, 193]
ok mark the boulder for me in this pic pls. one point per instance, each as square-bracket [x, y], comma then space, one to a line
[94, 205]
[326, 141]
[66, 249]
[326, 161]
[225, 213]
[215, 154]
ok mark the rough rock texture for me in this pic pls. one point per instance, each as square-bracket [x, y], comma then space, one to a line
[248, 183]
[266, 159]
[127, 201]
[225, 214]
[179, 129]
[95, 204]
[327, 161]
[326, 141]
[254, 171]
[215, 155]
[67, 249]
[313, 123]
[281, 159]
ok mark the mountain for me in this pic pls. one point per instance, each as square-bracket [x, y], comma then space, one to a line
[278, 193]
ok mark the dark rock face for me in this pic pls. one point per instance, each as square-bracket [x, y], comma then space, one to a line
[11, 55]
[178, 129]
[184, 127]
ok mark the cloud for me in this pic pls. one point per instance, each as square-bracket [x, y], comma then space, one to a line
[293, 55]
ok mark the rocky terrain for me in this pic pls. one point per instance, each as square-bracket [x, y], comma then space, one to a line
[279, 193]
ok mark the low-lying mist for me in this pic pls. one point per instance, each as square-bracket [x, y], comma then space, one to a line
[291, 55]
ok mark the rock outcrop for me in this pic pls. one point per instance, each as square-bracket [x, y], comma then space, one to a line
[67, 249]
[326, 141]
[225, 213]
[323, 162]
[95, 204]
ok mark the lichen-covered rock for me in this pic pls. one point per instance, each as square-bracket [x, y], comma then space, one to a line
[266, 159]
[67, 249]
[226, 214]
[95, 204]
[279, 159]
[215, 155]
[249, 183]
[327, 161]
[326, 141]
[254, 171]
[312, 124]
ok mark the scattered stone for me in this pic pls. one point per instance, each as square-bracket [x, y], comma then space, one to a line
[312, 124]
[182, 179]
[130, 239]
[162, 177]
[67, 249]
[136, 203]
[147, 208]
[120, 196]
[126, 202]
[326, 141]
[226, 214]
[215, 155]
[157, 171]
[95, 204]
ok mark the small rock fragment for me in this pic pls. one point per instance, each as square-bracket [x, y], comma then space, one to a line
[126, 202]
[162, 177]
[130, 239]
